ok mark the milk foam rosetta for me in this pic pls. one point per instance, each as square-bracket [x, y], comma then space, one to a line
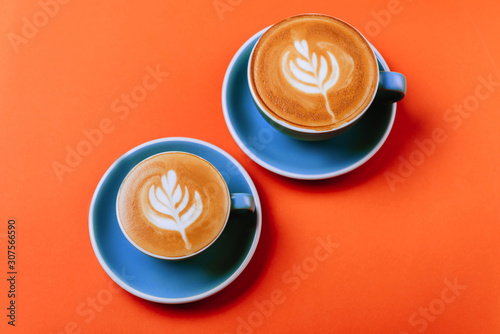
[312, 76]
[173, 204]
[313, 71]
[164, 199]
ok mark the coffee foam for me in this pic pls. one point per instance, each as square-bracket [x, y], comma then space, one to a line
[313, 71]
[173, 204]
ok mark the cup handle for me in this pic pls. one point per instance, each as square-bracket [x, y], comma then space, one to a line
[391, 87]
[242, 203]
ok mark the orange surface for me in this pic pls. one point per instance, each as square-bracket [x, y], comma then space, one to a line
[416, 228]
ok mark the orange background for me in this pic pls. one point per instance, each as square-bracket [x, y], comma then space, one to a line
[401, 241]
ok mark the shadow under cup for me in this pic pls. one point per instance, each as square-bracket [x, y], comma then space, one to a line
[390, 88]
[241, 205]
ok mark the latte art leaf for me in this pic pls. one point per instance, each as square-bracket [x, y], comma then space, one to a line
[164, 200]
[307, 75]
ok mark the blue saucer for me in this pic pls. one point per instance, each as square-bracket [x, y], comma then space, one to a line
[173, 282]
[290, 157]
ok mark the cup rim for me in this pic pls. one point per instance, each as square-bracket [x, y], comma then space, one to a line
[296, 128]
[172, 258]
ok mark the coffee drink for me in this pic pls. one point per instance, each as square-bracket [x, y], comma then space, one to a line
[173, 204]
[313, 72]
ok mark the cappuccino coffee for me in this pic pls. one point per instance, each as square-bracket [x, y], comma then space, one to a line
[173, 204]
[313, 72]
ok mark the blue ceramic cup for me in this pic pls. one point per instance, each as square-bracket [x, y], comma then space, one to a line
[391, 87]
[240, 204]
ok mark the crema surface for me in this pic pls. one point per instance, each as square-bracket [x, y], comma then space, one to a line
[173, 204]
[313, 72]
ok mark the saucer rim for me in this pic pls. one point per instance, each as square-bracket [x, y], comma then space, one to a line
[282, 172]
[168, 300]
